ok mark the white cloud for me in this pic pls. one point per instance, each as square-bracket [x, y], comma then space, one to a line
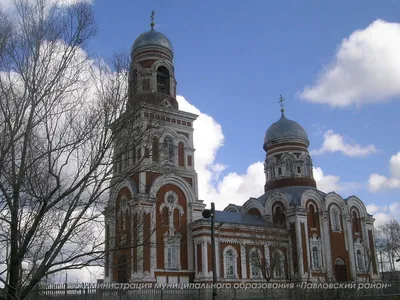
[334, 142]
[332, 183]
[366, 69]
[383, 214]
[379, 182]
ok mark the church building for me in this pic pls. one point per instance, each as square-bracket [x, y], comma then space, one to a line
[154, 228]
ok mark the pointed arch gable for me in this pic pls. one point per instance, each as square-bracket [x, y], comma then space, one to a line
[333, 198]
[130, 184]
[253, 203]
[312, 195]
[174, 180]
[275, 197]
[354, 201]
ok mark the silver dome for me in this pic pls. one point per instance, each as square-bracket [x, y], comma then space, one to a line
[285, 128]
[152, 38]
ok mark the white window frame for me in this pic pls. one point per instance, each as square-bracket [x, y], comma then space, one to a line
[234, 262]
[335, 216]
[315, 242]
[172, 245]
[360, 258]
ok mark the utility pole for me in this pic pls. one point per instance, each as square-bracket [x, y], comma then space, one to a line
[207, 213]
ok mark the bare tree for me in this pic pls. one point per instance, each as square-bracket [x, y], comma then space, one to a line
[61, 114]
[388, 242]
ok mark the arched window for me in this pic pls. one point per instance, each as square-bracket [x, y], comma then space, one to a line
[360, 260]
[315, 259]
[162, 80]
[339, 262]
[177, 218]
[155, 150]
[278, 264]
[181, 154]
[230, 264]
[169, 148]
[335, 219]
[312, 216]
[279, 216]
[356, 226]
[255, 263]
[165, 216]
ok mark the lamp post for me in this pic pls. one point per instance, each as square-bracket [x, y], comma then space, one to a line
[383, 275]
[207, 213]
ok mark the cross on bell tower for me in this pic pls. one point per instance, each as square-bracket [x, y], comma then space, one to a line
[281, 99]
[152, 19]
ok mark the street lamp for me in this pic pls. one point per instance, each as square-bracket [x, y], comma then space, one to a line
[210, 213]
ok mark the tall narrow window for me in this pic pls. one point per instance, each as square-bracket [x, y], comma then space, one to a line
[360, 261]
[155, 150]
[279, 264]
[229, 264]
[181, 154]
[168, 146]
[315, 259]
[335, 221]
[172, 259]
[355, 222]
[279, 216]
[162, 80]
[165, 216]
[311, 218]
[255, 264]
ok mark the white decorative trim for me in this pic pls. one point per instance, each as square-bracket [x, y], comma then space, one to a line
[276, 196]
[179, 182]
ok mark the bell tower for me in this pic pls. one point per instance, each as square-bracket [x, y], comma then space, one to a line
[155, 199]
[152, 73]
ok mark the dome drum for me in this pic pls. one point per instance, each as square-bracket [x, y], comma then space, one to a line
[150, 40]
[285, 131]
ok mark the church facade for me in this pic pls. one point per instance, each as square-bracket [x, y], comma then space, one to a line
[155, 231]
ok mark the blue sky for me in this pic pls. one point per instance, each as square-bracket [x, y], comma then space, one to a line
[233, 60]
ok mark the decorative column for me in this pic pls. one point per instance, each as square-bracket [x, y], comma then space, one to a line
[142, 182]
[204, 264]
[153, 239]
[348, 229]
[304, 221]
[299, 247]
[327, 244]
[243, 261]
[196, 271]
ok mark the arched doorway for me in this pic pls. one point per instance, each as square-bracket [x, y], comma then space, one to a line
[123, 269]
[340, 270]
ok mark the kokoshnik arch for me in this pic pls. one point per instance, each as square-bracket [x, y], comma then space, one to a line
[154, 223]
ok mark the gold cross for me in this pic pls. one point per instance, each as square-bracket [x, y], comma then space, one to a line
[281, 99]
[152, 18]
